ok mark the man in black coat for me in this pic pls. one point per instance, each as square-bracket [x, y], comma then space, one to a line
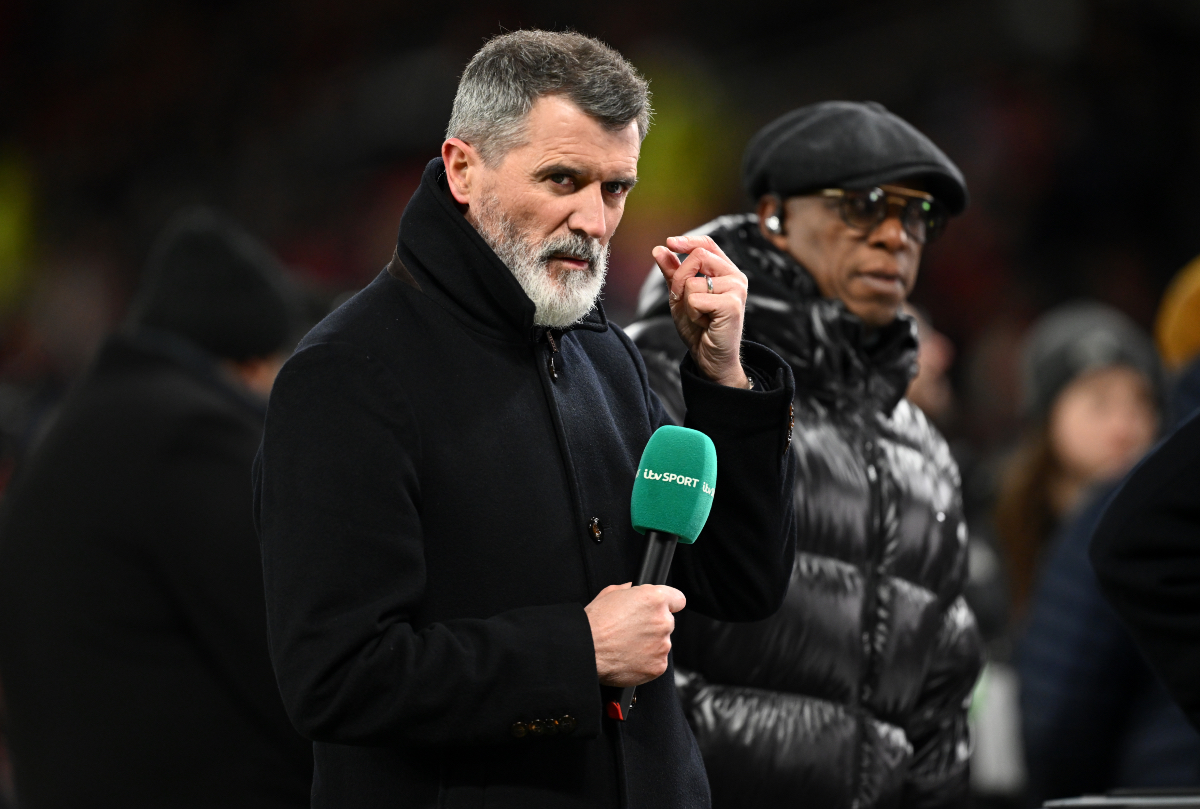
[133, 644]
[444, 484]
[854, 694]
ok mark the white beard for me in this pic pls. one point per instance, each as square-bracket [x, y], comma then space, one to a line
[559, 299]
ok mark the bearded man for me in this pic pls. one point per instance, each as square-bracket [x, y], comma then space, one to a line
[444, 483]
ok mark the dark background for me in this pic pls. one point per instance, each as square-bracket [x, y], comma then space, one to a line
[1075, 121]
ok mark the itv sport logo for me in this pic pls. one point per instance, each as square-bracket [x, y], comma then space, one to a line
[681, 480]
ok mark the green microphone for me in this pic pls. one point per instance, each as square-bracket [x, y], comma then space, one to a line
[672, 495]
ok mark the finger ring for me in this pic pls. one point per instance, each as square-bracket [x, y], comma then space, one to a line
[708, 280]
[674, 297]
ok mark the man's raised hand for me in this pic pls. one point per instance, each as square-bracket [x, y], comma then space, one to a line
[709, 322]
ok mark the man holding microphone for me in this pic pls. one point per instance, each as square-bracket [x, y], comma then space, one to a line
[443, 488]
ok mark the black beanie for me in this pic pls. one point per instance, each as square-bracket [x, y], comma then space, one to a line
[846, 144]
[212, 282]
[1076, 338]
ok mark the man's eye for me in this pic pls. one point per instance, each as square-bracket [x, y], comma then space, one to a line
[616, 189]
[560, 179]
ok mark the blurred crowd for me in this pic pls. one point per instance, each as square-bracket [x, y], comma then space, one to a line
[1059, 338]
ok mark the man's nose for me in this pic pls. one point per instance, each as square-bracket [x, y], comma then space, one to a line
[890, 234]
[589, 216]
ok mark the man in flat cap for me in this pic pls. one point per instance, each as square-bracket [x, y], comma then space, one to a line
[855, 692]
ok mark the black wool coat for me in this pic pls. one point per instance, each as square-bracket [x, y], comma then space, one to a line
[1146, 554]
[133, 643]
[854, 694]
[442, 488]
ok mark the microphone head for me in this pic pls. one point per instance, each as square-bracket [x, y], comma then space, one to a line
[675, 484]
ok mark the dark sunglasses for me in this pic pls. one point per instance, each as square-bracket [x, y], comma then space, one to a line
[923, 217]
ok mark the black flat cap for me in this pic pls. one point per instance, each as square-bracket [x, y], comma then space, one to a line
[212, 282]
[847, 144]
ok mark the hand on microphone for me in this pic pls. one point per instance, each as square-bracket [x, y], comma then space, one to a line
[631, 631]
[707, 316]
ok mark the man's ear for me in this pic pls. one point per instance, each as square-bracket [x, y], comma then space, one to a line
[462, 166]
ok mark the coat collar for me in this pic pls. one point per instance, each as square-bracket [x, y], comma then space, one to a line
[452, 263]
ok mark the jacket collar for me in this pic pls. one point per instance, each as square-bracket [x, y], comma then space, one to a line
[452, 263]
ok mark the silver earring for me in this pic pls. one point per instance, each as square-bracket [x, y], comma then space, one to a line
[773, 224]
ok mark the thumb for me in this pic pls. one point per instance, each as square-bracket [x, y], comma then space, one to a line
[676, 600]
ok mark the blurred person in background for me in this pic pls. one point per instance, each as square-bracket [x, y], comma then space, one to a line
[1093, 715]
[930, 389]
[1090, 377]
[133, 645]
[1177, 333]
[855, 692]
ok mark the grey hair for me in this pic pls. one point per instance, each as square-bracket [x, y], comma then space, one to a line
[509, 73]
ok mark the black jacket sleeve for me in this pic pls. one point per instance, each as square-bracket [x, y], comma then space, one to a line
[344, 569]
[739, 567]
[1146, 553]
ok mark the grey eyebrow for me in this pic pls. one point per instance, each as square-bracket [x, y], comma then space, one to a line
[573, 171]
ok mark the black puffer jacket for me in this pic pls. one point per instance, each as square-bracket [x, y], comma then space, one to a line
[855, 693]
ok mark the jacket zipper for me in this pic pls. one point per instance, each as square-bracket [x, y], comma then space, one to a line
[870, 600]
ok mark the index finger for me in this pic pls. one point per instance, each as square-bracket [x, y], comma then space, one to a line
[686, 244]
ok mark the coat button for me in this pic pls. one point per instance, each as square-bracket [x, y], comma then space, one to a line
[537, 727]
[597, 529]
[871, 473]
[519, 730]
[566, 724]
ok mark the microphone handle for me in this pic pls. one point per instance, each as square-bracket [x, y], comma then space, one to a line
[656, 564]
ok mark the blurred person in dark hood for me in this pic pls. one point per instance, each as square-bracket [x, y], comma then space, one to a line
[133, 645]
[855, 692]
[1093, 715]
